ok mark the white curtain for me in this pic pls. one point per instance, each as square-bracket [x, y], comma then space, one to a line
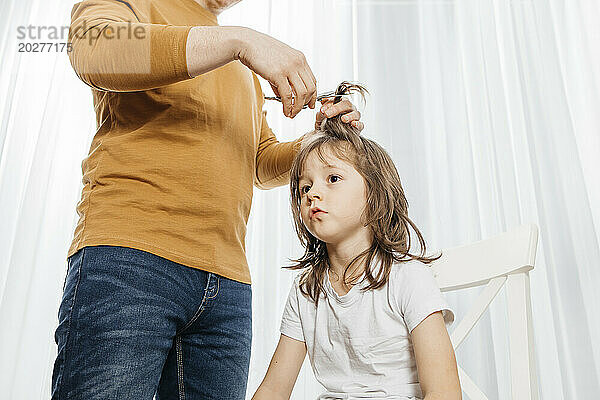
[488, 107]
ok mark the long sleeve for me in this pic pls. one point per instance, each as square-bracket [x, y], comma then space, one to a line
[273, 158]
[113, 49]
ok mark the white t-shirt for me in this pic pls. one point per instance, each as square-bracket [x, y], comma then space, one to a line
[359, 344]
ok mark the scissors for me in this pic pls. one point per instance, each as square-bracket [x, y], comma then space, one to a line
[320, 97]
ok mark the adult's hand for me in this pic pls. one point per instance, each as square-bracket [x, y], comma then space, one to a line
[282, 66]
[350, 114]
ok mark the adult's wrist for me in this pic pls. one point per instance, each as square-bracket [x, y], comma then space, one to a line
[239, 40]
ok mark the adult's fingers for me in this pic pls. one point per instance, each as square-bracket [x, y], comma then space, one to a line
[311, 84]
[342, 107]
[351, 116]
[345, 108]
[320, 116]
[300, 92]
[286, 95]
[311, 87]
[319, 119]
[274, 89]
[359, 125]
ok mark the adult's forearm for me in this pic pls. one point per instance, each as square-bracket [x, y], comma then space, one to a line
[209, 47]
[273, 163]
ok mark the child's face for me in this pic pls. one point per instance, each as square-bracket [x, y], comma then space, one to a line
[333, 197]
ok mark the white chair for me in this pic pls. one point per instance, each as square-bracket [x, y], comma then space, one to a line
[504, 259]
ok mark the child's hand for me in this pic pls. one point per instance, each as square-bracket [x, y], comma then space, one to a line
[345, 107]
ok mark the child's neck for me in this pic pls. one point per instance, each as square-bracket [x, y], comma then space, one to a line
[340, 255]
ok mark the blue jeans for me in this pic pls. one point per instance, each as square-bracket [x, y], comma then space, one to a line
[133, 325]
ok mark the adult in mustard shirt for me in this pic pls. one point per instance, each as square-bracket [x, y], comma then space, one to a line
[157, 296]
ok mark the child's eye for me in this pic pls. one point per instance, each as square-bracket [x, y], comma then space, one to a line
[334, 178]
[304, 189]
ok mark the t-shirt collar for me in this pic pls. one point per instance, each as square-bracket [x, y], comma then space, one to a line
[349, 298]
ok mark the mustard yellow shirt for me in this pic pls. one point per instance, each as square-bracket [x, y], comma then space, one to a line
[173, 161]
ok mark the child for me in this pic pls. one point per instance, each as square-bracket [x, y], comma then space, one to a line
[367, 311]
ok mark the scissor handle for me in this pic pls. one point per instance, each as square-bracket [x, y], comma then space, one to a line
[320, 97]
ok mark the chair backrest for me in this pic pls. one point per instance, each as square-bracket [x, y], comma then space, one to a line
[502, 260]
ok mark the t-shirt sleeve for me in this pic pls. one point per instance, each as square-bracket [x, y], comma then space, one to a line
[418, 295]
[291, 325]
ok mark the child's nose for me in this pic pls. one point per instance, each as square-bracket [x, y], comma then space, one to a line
[313, 194]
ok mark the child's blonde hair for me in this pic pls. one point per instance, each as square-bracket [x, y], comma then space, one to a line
[386, 211]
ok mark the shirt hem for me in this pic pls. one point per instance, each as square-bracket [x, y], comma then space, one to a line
[192, 262]
[292, 336]
[447, 314]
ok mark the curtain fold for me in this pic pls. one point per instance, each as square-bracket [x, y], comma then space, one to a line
[489, 109]
[46, 122]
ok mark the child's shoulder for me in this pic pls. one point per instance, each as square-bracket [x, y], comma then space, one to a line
[416, 294]
[410, 272]
[295, 285]
[410, 267]
[296, 281]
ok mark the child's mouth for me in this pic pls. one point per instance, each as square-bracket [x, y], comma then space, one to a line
[316, 211]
